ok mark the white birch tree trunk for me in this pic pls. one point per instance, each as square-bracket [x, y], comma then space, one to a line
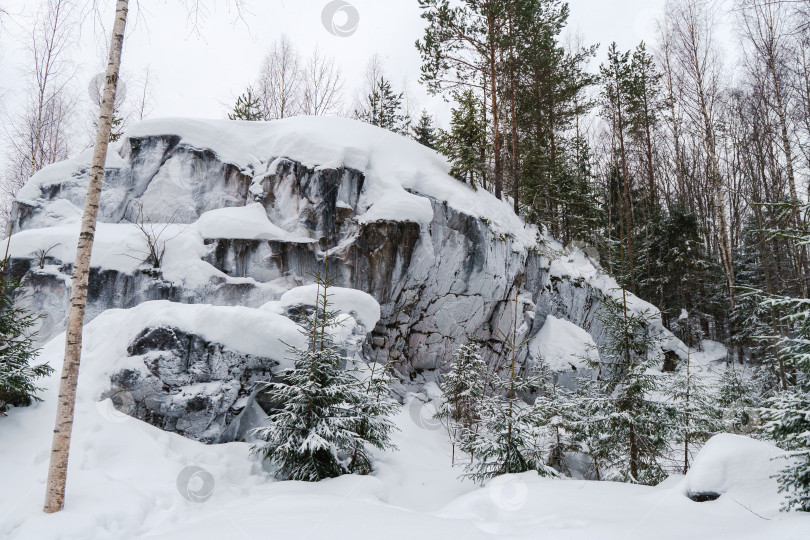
[57, 472]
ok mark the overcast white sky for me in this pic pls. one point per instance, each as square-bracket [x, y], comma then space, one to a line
[199, 74]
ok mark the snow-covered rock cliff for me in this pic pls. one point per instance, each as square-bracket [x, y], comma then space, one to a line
[241, 214]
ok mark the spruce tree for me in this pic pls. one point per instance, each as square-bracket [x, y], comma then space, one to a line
[787, 419]
[383, 108]
[424, 132]
[328, 419]
[695, 417]
[627, 431]
[674, 270]
[17, 352]
[739, 398]
[787, 414]
[464, 143]
[559, 414]
[463, 389]
[754, 317]
[507, 438]
[247, 107]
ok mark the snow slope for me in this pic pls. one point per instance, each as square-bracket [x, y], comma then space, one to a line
[128, 479]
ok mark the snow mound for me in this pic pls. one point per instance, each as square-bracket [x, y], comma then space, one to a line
[711, 352]
[242, 329]
[243, 222]
[344, 300]
[59, 171]
[737, 468]
[563, 345]
[122, 247]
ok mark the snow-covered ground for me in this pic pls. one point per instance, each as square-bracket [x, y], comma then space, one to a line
[128, 479]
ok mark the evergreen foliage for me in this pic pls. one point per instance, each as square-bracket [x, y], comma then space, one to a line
[788, 423]
[695, 417]
[463, 388]
[424, 132]
[247, 107]
[507, 439]
[560, 415]
[465, 141]
[787, 414]
[739, 398]
[384, 108]
[673, 269]
[328, 419]
[627, 431]
[17, 352]
[556, 182]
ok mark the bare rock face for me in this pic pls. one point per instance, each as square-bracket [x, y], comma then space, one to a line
[439, 284]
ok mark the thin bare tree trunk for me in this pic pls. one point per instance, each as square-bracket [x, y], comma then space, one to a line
[513, 123]
[714, 164]
[496, 128]
[496, 136]
[57, 472]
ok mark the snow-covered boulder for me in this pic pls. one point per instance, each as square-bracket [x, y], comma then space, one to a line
[738, 468]
[195, 369]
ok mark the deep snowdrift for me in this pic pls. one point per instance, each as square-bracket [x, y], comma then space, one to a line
[737, 468]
